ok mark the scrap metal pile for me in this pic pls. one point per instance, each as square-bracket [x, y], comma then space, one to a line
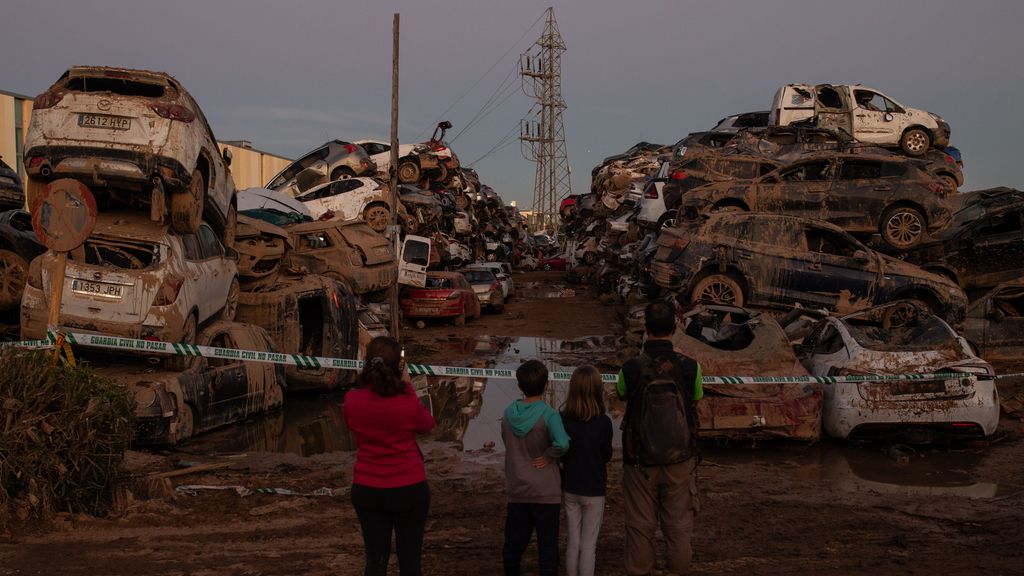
[302, 267]
[837, 206]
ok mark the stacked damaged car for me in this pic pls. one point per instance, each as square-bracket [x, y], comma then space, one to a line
[838, 213]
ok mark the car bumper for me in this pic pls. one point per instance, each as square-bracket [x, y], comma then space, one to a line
[845, 410]
[99, 165]
[35, 314]
[432, 308]
[794, 413]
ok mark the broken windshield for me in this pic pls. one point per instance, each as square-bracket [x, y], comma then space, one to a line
[921, 332]
[114, 254]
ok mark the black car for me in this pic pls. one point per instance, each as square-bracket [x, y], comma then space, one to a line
[995, 323]
[765, 259]
[860, 193]
[18, 246]
[12, 195]
[983, 246]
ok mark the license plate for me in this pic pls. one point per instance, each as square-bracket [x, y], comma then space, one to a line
[104, 121]
[909, 387]
[101, 289]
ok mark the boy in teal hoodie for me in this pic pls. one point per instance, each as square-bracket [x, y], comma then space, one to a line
[534, 439]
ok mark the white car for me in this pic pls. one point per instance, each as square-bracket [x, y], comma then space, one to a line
[652, 203]
[135, 137]
[349, 199]
[380, 152]
[901, 337]
[487, 287]
[134, 279]
[503, 271]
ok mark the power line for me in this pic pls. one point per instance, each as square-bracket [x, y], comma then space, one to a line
[492, 104]
[509, 138]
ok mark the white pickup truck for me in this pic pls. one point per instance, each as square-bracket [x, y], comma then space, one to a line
[864, 113]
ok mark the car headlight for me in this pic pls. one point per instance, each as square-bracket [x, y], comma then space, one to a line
[145, 396]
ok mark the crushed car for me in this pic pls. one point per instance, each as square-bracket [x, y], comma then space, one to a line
[862, 194]
[261, 249]
[208, 393]
[348, 250]
[995, 323]
[433, 160]
[899, 338]
[334, 160]
[18, 246]
[310, 315]
[12, 195]
[135, 279]
[768, 259]
[138, 138]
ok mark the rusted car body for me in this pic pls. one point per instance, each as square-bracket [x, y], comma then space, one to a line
[765, 259]
[732, 341]
[335, 160]
[860, 193]
[311, 315]
[445, 295]
[900, 337]
[983, 246]
[261, 248]
[18, 246]
[171, 407]
[134, 278]
[12, 195]
[995, 323]
[348, 250]
[137, 137]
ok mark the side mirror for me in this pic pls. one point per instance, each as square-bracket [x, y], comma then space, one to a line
[888, 117]
[860, 256]
[226, 154]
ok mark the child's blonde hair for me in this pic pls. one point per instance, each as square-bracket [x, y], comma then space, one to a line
[586, 394]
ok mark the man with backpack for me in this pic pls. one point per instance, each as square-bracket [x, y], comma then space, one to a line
[659, 446]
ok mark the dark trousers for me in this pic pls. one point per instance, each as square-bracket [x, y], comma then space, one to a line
[520, 523]
[383, 510]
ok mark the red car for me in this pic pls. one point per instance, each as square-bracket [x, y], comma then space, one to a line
[446, 295]
[553, 263]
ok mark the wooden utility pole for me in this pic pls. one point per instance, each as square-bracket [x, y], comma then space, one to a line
[394, 170]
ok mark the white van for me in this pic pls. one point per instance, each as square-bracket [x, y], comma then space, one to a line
[864, 113]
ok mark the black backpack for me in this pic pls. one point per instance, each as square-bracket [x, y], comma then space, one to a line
[660, 424]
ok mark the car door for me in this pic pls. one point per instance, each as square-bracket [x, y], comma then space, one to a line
[860, 190]
[227, 378]
[836, 271]
[216, 275]
[832, 108]
[997, 249]
[798, 190]
[875, 117]
[761, 248]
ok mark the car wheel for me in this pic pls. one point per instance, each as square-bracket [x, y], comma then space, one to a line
[187, 205]
[902, 227]
[719, 288]
[667, 220]
[13, 272]
[185, 423]
[230, 226]
[915, 142]
[462, 201]
[547, 267]
[408, 172]
[948, 182]
[188, 336]
[442, 174]
[498, 307]
[901, 314]
[230, 309]
[460, 320]
[342, 173]
[377, 217]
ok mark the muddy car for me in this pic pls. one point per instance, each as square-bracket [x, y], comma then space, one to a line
[432, 160]
[336, 160]
[261, 249]
[380, 153]
[487, 288]
[763, 259]
[135, 279]
[347, 250]
[900, 338]
[137, 137]
[171, 407]
[445, 295]
[311, 315]
[727, 340]
[995, 323]
[18, 246]
[861, 194]
[12, 195]
[983, 246]
[349, 199]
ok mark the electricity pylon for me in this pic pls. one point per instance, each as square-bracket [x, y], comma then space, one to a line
[542, 132]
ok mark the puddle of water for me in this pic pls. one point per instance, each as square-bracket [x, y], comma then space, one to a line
[544, 290]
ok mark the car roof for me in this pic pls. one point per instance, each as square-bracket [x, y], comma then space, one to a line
[764, 216]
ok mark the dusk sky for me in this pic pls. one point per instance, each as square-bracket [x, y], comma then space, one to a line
[290, 75]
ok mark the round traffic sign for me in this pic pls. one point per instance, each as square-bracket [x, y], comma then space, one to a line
[64, 214]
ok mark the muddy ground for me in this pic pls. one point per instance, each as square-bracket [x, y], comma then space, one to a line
[779, 508]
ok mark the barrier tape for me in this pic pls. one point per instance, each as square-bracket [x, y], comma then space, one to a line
[303, 361]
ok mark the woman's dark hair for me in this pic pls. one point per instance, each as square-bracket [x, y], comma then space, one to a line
[382, 372]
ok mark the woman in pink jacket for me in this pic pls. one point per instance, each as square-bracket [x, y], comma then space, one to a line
[389, 483]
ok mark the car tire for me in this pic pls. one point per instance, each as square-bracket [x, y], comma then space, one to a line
[189, 333]
[13, 273]
[187, 205]
[342, 173]
[720, 288]
[442, 174]
[949, 182]
[230, 226]
[377, 216]
[902, 227]
[667, 220]
[499, 307]
[230, 309]
[185, 423]
[915, 142]
[547, 267]
[408, 172]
